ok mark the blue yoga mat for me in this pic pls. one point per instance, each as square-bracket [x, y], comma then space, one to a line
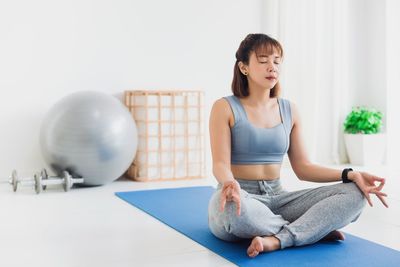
[185, 210]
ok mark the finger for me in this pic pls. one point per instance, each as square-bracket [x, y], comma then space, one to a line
[379, 179]
[229, 192]
[378, 193]
[226, 191]
[372, 189]
[238, 208]
[226, 187]
[369, 202]
[383, 200]
[238, 204]
[223, 202]
[235, 198]
[368, 198]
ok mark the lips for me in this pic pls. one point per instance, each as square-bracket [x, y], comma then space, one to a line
[270, 78]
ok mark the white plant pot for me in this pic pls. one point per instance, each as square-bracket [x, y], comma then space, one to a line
[365, 149]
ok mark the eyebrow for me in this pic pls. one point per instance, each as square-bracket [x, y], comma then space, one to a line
[276, 57]
[264, 55]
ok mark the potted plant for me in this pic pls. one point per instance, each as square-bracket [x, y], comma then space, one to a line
[365, 144]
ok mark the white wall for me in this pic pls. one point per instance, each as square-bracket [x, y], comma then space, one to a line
[393, 82]
[368, 53]
[335, 54]
[49, 49]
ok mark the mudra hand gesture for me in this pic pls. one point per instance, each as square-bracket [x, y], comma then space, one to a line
[366, 183]
[230, 192]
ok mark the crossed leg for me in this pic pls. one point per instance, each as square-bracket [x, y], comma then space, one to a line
[314, 214]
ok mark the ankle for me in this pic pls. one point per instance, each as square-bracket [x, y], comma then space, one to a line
[271, 243]
[276, 242]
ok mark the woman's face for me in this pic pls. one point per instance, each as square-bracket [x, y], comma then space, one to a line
[263, 69]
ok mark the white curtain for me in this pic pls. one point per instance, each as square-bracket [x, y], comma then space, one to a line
[321, 68]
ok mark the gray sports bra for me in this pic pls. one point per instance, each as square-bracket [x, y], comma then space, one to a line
[254, 145]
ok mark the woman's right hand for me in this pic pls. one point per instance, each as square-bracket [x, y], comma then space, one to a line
[230, 192]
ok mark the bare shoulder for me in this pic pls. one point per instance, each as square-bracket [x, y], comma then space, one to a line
[221, 108]
[221, 105]
[221, 111]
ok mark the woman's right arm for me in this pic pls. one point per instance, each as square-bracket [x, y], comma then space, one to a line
[220, 139]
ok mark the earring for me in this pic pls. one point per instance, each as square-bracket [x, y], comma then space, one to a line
[245, 73]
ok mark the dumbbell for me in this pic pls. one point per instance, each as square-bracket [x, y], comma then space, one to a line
[42, 180]
[15, 181]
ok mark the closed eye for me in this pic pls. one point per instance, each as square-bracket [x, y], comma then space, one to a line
[275, 62]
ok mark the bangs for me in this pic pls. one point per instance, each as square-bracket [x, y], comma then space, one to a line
[268, 47]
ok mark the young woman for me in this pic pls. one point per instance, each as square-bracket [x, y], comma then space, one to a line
[250, 132]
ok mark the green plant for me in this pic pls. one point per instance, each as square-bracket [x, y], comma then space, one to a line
[363, 120]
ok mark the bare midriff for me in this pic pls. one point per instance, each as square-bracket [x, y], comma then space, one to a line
[256, 172]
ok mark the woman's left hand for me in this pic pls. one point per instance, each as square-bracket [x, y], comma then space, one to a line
[366, 183]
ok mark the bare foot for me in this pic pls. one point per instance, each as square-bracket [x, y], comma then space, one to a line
[261, 244]
[334, 236]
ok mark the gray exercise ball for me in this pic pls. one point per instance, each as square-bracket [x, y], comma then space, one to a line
[90, 135]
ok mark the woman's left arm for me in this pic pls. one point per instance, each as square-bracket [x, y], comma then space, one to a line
[307, 171]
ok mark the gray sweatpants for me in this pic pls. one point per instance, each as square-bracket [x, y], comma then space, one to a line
[295, 218]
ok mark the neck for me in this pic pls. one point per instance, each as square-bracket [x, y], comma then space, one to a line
[258, 96]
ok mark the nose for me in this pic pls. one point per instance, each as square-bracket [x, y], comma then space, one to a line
[271, 67]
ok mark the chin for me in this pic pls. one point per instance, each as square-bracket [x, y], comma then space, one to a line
[269, 86]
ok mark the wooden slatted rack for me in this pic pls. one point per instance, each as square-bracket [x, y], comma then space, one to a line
[171, 142]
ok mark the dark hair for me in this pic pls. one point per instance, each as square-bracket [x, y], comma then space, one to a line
[253, 43]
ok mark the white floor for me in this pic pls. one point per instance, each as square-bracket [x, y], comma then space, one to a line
[92, 227]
